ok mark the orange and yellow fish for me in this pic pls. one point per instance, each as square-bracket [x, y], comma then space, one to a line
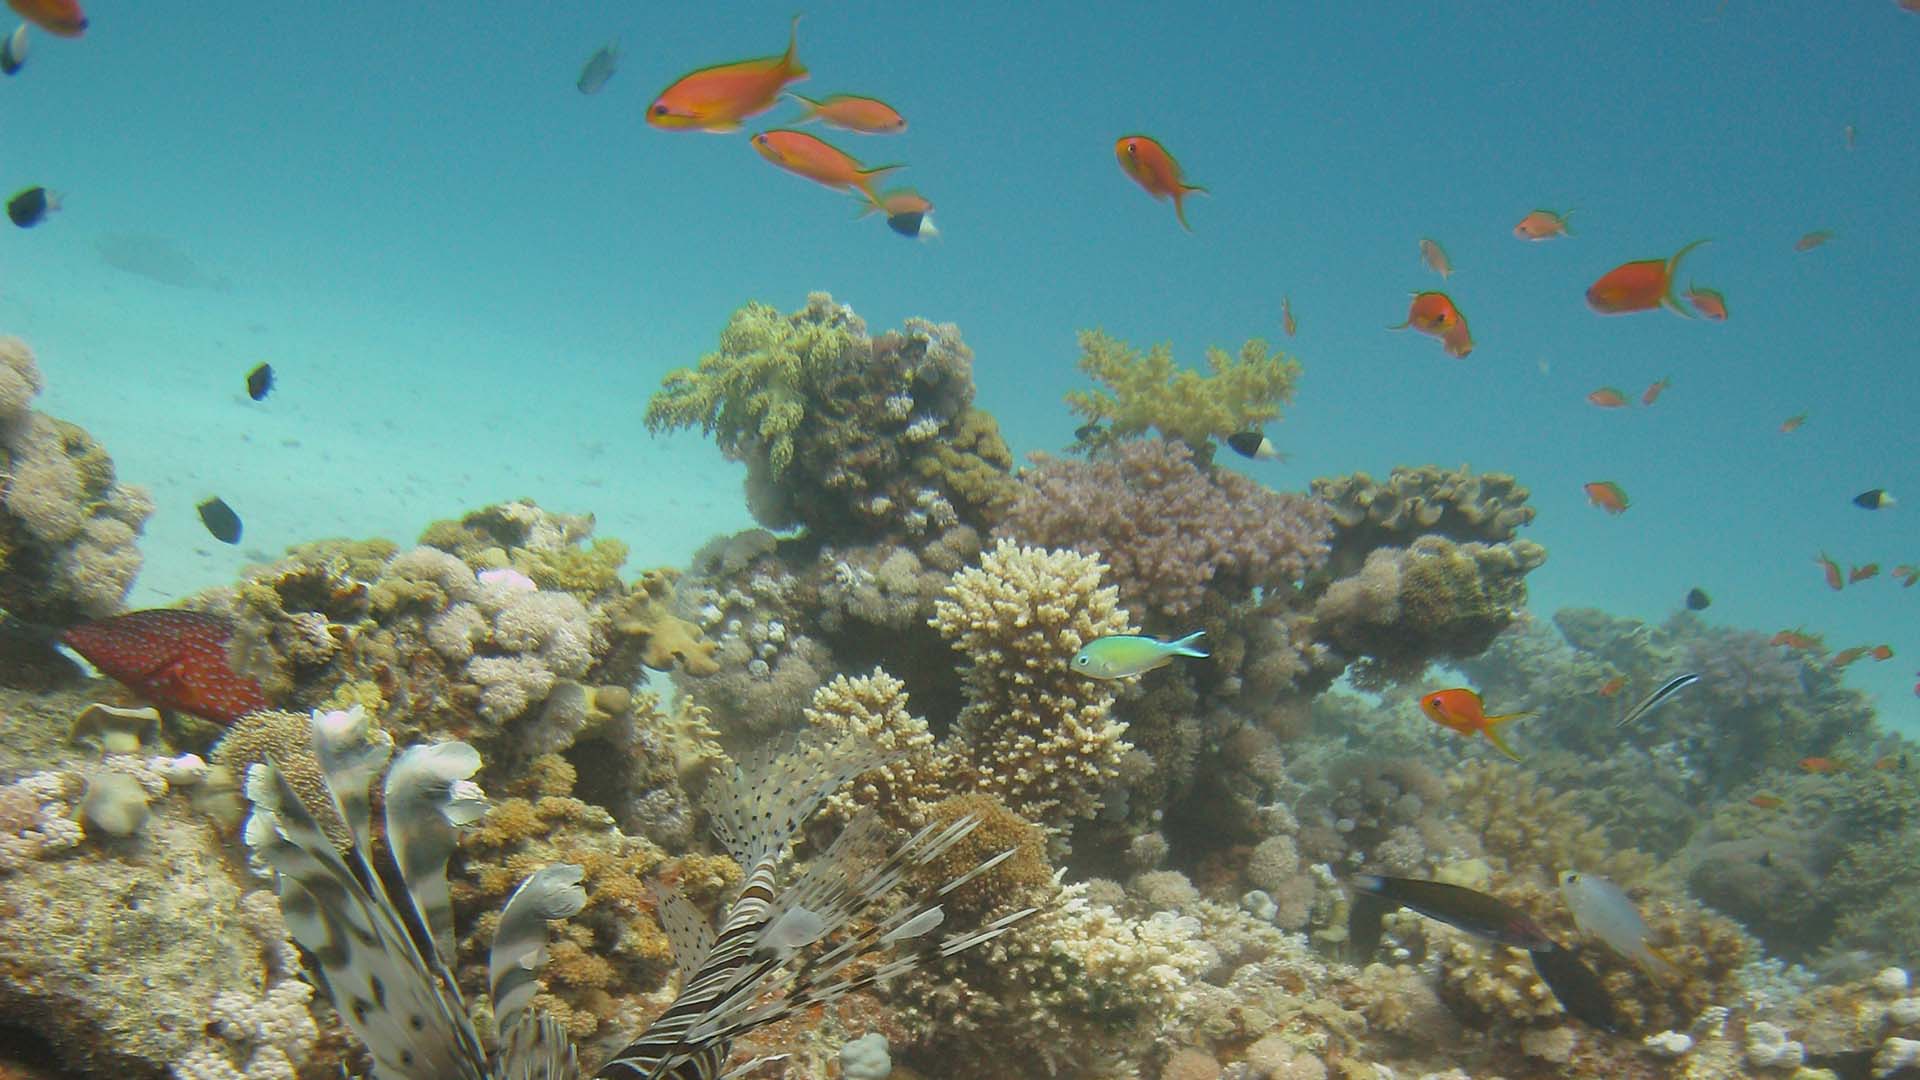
[1832, 571]
[1820, 765]
[1846, 656]
[1613, 686]
[1641, 285]
[1862, 573]
[1143, 158]
[1906, 574]
[1708, 302]
[1767, 802]
[1435, 257]
[1799, 639]
[1653, 392]
[1881, 652]
[1461, 710]
[803, 155]
[718, 98]
[62, 18]
[1792, 423]
[1543, 225]
[863, 115]
[1608, 496]
[1813, 240]
[1457, 340]
[1607, 397]
[1286, 316]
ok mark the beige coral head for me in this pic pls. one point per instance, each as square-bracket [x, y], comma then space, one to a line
[115, 730]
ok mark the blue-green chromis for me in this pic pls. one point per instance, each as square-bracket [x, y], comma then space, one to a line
[1122, 656]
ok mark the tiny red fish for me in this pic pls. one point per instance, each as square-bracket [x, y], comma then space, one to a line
[1819, 765]
[1708, 302]
[1813, 240]
[1799, 639]
[1832, 571]
[1641, 285]
[1768, 802]
[1792, 423]
[1906, 574]
[1653, 392]
[1613, 686]
[1608, 496]
[1543, 225]
[718, 98]
[861, 115]
[176, 659]
[1143, 158]
[1846, 656]
[1881, 652]
[60, 17]
[1607, 397]
[1862, 573]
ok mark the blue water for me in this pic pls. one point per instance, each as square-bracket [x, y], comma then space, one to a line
[471, 276]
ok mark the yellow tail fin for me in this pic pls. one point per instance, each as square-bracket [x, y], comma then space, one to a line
[1492, 731]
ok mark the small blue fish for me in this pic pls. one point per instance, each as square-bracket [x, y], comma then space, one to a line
[600, 67]
[1122, 656]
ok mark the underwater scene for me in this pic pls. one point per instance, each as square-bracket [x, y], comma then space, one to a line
[1071, 542]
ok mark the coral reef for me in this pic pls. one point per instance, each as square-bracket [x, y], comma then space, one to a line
[844, 433]
[1171, 531]
[1457, 504]
[1151, 393]
[68, 528]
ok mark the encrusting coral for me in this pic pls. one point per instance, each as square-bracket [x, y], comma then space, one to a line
[1143, 393]
[841, 432]
[1171, 529]
[68, 528]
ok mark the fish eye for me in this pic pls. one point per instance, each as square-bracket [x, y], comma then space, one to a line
[1081, 660]
[659, 110]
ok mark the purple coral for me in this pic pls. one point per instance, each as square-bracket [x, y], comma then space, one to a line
[1170, 530]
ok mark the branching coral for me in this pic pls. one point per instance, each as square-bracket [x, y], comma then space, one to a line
[1171, 530]
[67, 527]
[1152, 393]
[1425, 501]
[1039, 735]
[840, 432]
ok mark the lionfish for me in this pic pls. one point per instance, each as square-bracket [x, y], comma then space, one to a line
[385, 957]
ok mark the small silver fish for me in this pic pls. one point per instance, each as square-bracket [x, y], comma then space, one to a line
[599, 68]
[1602, 910]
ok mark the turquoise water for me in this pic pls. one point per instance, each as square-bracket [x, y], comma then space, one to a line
[470, 276]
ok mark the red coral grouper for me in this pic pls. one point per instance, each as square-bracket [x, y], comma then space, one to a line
[173, 658]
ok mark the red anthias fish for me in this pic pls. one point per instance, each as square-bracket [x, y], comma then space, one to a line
[176, 659]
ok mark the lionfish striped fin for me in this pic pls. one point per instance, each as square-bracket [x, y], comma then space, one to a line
[351, 757]
[688, 931]
[366, 957]
[520, 942]
[778, 787]
[428, 796]
[537, 1048]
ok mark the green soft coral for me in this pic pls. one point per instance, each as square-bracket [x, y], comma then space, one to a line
[753, 391]
[1150, 392]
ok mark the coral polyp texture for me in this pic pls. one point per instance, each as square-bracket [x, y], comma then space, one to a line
[1238, 391]
[68, 527]
[1457, 504]
[842, 432]
[1172, 530]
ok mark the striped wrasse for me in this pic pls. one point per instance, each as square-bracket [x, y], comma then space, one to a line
[385, 957]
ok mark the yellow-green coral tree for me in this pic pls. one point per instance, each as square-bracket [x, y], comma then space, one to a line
[1236, 393]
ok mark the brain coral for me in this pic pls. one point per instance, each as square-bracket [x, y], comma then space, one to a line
[1170, 529]
[1039, 735]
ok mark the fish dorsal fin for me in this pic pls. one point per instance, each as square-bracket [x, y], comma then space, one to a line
[429, 796]
[778, 787]
[520, 942]
[537, 1048]
[688, 931]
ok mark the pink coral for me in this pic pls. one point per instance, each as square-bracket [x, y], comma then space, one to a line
[1171, 530]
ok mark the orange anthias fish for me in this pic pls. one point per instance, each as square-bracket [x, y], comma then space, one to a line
[1607, 397]
[1431, 313]
[1462, 710]
[60, 17]
[1457, 340]
[1708, 302]
[718, 98]
[1144, 159]
[1862, 573]
[1654, 391]
[1792, 423]
[899, 201]
[1906, 574]
[803, 155]
[1819, 764]
[1613, 686]
[1543, 225]
[1799, 639]
[1286, 316]
[1768, 802]
[1641, 285]
[1846, 656]
[865, 115]
[1813, 240]
[1832, 571]
[1881, 652]
[1608, 496]
[1435, 257]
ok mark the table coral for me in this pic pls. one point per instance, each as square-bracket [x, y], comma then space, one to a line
[1427, 500]
[1171, 529]
[847, 434]
[68, 528]
[1142, 393]
[1038, 734]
